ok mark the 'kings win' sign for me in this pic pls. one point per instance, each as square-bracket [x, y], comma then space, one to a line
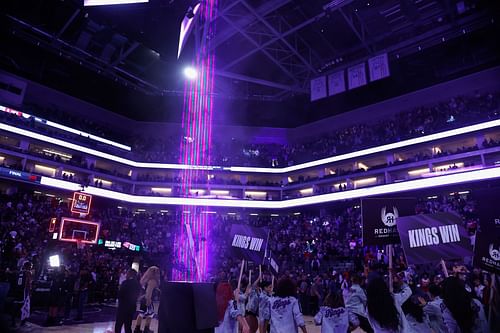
[432, 237]
[249, 243]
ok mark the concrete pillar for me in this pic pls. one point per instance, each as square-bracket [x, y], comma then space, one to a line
[480, 139]
[390, 159]
[58, 173]
[24, 145]
[90, 162]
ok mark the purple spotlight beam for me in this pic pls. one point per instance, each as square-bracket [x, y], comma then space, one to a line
[192, 239]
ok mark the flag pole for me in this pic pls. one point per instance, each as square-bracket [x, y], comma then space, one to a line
[389, 253]
[443, 266]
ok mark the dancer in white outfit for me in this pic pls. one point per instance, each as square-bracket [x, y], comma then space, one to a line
[283, 310]
[462, 313]
[333, 316]
[384, 308]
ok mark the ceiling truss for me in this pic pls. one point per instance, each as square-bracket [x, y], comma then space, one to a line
[269, 33]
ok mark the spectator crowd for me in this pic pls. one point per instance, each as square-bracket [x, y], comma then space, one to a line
[453, 113]
[322, 254]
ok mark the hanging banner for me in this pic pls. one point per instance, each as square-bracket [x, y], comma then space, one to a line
[379, 216]
[318, 88]
[249, 243]
[379, 67]
[432, 237]
[487, 243]
[356, 76]
[336, 83]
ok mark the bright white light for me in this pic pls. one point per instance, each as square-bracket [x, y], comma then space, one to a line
[219, 192]
[190, 73]
[418, 171]
[365, 181]
[110, 2]
[161, 189]
[54, 261]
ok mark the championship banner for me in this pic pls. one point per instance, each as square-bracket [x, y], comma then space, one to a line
[318, 88]
[379, 67]
[432, 237]
[356, 76]
[336, 83]
[487, 244]
[249, 243]
[379, 217]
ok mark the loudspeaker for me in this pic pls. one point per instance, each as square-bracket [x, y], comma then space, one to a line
[187, 307]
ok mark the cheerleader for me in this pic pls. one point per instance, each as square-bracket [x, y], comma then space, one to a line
[265, 295]
[417, 319]
[332, 316]
[384, 308]
[149, 281]
[433, 309]
[461, 312]
[229, 314]
[283, 310]
[252, 307]
[356, 305]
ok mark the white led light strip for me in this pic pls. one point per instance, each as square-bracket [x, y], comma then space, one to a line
[70, 130]
[465, 177]
[94, 152]
[387, 147]
[111, 2]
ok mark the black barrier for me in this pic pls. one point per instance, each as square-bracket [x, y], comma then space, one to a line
[187, 307]
[487, 244]
[4, 290]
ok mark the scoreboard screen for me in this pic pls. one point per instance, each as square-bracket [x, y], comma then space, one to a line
[81, 203]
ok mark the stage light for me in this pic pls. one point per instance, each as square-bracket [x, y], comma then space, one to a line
[190, 73]
[54, 261]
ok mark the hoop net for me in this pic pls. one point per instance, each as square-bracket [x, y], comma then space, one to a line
[80, 245]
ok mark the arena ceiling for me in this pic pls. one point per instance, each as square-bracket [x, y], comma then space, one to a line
[124, 58]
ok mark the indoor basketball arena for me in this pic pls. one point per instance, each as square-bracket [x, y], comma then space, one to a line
[249, 166]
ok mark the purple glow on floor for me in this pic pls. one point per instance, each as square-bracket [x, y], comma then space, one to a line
[192, 239]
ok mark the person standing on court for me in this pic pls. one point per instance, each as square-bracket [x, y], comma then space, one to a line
[128, 294]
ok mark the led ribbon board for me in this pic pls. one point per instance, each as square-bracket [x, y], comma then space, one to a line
[181, 166]
[64, 128]
[111, 2]
[411, 185]
[19, 175]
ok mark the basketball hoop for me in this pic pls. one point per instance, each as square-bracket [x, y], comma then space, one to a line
[80, 245]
